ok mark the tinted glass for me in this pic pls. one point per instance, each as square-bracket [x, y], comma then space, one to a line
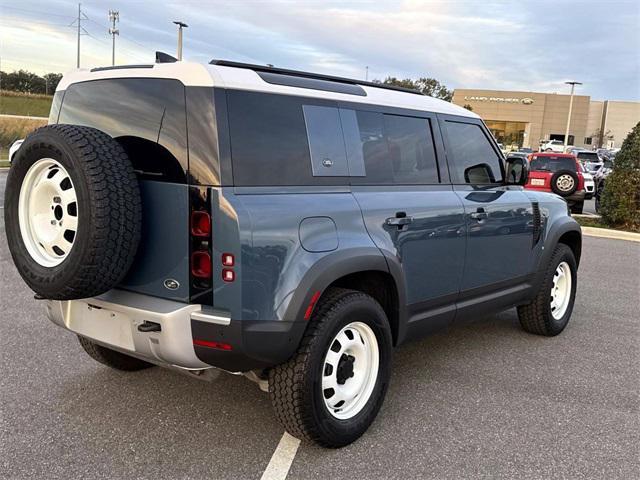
[396, 149]
[591, 156]
[471, 157]
[326, 142]
[545, 163]
[147, 116]
[411, 150]
[269, 142]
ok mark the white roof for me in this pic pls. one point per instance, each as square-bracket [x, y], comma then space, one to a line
[197, 74]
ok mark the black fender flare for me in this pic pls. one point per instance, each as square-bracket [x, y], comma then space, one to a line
[338, 264]
[554, 232]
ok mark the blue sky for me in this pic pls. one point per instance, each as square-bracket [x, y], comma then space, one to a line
[525, 45]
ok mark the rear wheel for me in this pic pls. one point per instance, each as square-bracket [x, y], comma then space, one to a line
[333, 387]
[549, 312]
[111, 358]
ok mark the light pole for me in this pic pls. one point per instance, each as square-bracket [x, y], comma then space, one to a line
[114, 16]
[566, 133]
[181, 25]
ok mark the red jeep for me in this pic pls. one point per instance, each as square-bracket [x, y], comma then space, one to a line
[559, 173]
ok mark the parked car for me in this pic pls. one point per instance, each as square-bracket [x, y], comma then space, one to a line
[289, 226]
[525, 150]
[14, 148]
[559, 173]
[589, 183]
[521, 155]
[590, 160]
[552, 146]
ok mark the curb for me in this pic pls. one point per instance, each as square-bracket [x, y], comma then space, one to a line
[608, 233]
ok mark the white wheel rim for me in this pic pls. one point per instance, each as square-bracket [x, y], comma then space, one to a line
[565, 182]
[561, 291]
[354, 350]
[48, 212]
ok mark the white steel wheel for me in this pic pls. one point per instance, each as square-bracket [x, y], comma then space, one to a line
[565, 183]
[350, 370]
[561, 290]
[48, 212]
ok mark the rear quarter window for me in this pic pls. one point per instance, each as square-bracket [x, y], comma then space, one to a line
[147, 116]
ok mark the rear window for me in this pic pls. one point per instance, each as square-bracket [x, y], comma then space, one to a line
[588, 156]
[552, 164]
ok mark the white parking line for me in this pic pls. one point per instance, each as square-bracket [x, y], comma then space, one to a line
[282, 458]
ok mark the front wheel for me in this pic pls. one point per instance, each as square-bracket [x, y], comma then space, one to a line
[550, 310]
[333, 387]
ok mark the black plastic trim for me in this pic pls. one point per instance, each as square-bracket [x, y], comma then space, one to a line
[120, 67]
[312, 83]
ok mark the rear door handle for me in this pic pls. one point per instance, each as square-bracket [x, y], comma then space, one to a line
[479, 214]
[399, 220]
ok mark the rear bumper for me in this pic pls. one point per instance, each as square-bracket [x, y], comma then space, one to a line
[113, 319]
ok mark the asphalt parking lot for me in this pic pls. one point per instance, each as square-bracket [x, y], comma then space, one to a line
[482, 400]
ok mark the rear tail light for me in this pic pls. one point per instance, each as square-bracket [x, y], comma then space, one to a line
[200, 246]
[228, 275]
[228, 260]
[201, 265]
[200, 224]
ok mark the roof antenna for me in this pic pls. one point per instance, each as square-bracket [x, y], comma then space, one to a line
[162, 57]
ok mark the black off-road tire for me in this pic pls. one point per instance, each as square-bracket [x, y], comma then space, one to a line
[554, 183]
[108, 212]
[295, 387]
[536, 317]
[111, 358]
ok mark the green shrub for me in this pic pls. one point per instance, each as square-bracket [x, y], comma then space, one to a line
[621, 196]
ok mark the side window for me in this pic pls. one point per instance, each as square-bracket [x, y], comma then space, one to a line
[411, 150]
[471, 156]
[326, 142]
[396, 150]
[147, 116]
[270, 145]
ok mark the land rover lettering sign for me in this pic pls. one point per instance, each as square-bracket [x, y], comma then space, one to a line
[524, 101]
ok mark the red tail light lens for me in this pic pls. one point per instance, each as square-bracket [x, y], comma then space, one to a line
[200, 224]
[228, 275]
[216, 345]
[228, 260]
[201, 264]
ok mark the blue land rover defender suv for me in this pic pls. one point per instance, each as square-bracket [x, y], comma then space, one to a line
[289, 226]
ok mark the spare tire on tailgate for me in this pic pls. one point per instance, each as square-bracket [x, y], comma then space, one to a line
[72, 212]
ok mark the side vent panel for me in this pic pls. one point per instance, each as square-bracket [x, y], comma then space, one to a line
[537, 223]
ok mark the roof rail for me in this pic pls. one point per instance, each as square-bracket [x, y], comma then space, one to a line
[318, 76]
[120, 67]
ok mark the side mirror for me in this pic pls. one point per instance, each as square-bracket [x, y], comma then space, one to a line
[517, 170]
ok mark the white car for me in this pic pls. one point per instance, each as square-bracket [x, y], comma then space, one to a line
[589, 183]
[552, 146]
[14, 148]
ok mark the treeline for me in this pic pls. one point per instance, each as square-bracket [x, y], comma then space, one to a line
[28, 82]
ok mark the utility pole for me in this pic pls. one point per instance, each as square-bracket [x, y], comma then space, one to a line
[181, 25]
[81, 31]
[566, 133]
[114, 16]
[366, 74]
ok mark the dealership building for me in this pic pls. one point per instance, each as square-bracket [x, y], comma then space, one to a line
[526, 119]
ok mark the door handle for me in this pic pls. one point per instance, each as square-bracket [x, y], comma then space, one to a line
[479, 214]
[399, 220]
